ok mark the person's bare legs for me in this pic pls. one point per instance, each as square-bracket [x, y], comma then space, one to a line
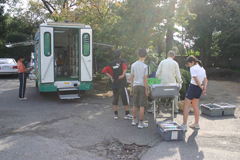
[127, 108]
[135, 108]
[115, 107]
[187, 103]
[196, 110]
[141, 113]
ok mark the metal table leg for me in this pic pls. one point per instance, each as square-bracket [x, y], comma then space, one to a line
[172, 109]
[154, 111]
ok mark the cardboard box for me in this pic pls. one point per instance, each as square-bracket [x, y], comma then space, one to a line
[181, 104]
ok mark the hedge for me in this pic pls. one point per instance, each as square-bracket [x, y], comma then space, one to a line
[186, 77]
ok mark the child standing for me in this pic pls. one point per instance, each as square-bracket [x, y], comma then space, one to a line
[198, 75]
[116, 70]
[139, 87]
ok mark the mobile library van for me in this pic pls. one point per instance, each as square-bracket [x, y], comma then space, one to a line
[63, 59]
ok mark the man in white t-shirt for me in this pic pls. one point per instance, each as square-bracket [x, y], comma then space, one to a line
[168, 71]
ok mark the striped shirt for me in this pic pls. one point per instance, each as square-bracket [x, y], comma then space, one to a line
[21, 67]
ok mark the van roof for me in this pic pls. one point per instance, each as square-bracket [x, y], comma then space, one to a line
[65, 24]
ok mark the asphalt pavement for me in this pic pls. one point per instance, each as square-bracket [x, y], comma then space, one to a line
[43, 128]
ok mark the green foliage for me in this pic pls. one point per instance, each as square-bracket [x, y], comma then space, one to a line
[14, 52]
[192, 52]
[211, 27]
[228, 39]
[186, 77]
[98, 77]
[16, 37]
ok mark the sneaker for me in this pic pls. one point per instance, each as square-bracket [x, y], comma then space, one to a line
[116, 116]
[128, 116]
[193, 125]
[150, 110]
[184, 127]
[142, 125]
[22, 99]
[134, 122]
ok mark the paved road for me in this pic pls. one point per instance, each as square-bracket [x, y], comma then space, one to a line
[49, 128]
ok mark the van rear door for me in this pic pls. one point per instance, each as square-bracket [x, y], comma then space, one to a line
[46, 48]
[86, 54]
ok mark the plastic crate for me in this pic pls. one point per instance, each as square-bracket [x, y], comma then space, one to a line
[228, 109]
[153, 81]
[211, 110]
[170, 133]
[164, 90]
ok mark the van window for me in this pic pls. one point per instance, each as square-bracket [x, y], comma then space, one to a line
[47, 44]
[86, 44]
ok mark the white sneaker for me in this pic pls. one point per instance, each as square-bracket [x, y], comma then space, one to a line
[184, 127]
[128, 116]
[116, 116]
[193, 125]
[22, 99]
[142, 125]
[134, 122]
[150, 110]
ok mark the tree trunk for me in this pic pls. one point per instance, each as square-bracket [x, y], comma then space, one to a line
[202, 50]
[170, 26]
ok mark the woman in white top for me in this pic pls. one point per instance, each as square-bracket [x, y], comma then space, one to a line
[197, 86]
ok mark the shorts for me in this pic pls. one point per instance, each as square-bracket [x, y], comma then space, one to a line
[139, 96]
[193, 92]
[124, 96]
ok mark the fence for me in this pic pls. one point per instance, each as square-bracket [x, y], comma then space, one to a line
[223, 62]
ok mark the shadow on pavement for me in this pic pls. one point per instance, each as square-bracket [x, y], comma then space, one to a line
[190, 148]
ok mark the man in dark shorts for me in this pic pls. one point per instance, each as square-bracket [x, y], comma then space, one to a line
[116, 70]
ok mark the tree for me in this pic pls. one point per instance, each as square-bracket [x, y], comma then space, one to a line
[2, 28]
[201, 27]
[228, 36]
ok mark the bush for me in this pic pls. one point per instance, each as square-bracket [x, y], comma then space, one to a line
[98, 77]
[186, 77]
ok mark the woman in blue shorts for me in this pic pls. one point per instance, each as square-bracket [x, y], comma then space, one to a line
[197, 86]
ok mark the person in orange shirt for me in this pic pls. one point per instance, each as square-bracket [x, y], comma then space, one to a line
[22, 75]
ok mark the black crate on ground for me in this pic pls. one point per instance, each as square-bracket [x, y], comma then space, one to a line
[211, 110]
[228, 109]
[170, 131]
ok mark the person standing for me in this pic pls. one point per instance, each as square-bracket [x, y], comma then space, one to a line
[198, 77]
[168, 71]
[116, 70]
[151, 74]
[139, 87]
[151, 68]
[22, 75]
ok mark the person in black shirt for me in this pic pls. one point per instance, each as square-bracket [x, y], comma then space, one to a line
[116, 70]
